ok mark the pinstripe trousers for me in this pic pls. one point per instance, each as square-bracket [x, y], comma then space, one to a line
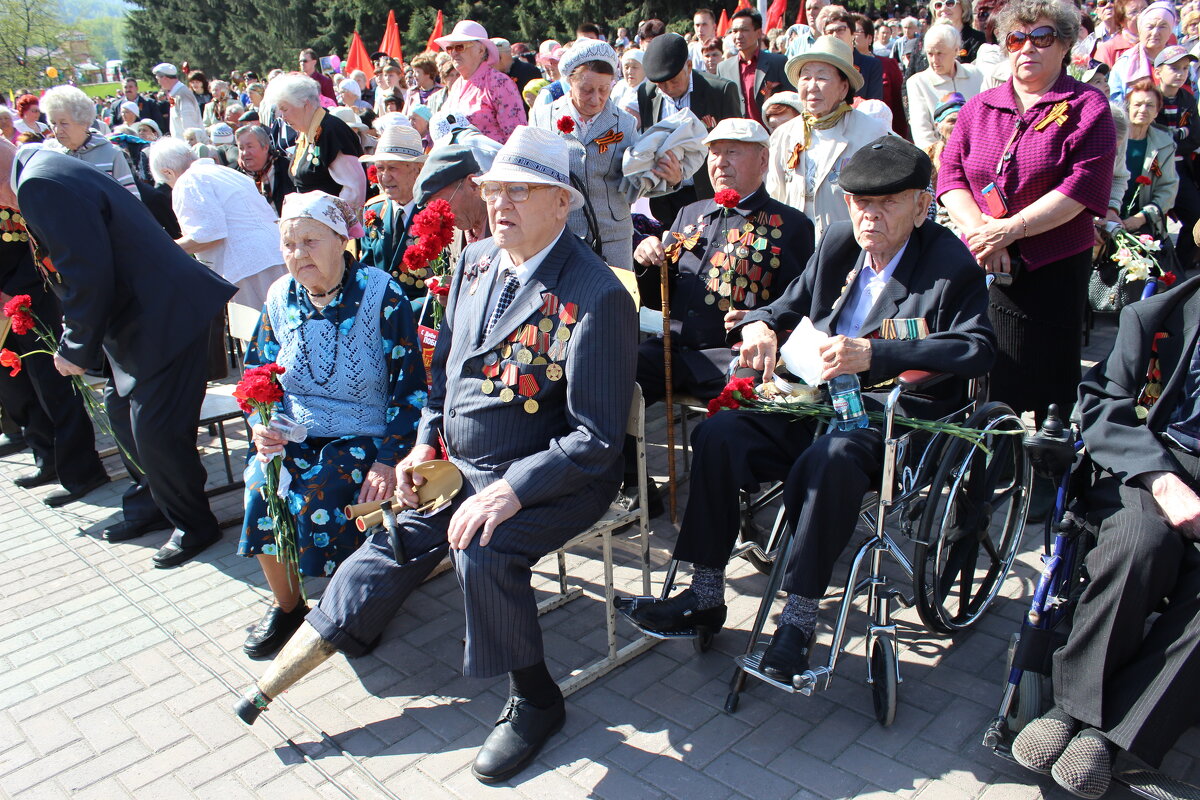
[503, 634]
[1140, 687]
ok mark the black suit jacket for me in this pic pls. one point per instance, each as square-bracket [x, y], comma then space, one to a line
[126, 288]
[698, 327]
[769, 78]
[713, 99]
[937, 280]
[1116, 438]
[872, 72]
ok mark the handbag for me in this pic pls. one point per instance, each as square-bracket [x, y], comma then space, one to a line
[1109, 290]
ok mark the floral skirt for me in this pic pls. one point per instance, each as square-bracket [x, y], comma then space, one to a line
[324, 481]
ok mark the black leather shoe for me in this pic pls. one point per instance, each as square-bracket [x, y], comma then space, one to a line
[787, 655]
[518, 737]
[654, 498]
[172, 555]
[11, 445]
[680, 613]
[31, 480]
[273, 630]
[125, 530]
[60, 497]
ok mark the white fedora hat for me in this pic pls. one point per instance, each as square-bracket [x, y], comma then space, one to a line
[397, 143]
[534, 155]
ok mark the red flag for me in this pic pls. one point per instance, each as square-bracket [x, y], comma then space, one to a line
[775, 14]
[391, 38]
[742, 4]
[723, 24]
[358, 58]
[437, 34]
[801, 17]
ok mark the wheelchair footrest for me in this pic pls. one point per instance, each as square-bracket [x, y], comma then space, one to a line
[751, 664]
[625, 606]
[1152, 784]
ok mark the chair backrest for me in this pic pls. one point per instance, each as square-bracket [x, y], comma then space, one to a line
[637, 414]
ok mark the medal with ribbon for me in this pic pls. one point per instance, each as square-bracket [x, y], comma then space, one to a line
[533, 344]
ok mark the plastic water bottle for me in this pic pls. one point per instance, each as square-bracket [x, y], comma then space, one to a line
[846, 394]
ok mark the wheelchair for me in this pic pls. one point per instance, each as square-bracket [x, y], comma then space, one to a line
[944, 493]
[1056, 453]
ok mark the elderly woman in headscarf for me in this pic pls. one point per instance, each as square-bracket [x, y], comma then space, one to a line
[597, 134]
[327, 150]
[488, 97]
[354, 380]
[71, 114]
[807, 153]
[1155, 26]
[624, 94]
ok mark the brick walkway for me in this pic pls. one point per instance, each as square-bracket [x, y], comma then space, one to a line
[117, 681]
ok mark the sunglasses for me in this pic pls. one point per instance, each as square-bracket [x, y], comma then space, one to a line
[1041, 37]
[940, 4]
[454, 48]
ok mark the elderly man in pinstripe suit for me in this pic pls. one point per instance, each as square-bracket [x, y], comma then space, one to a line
[532, 380]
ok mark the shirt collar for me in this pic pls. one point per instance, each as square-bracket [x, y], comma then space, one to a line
[525, 271]
[1064, 88]
[343, 307]
[890, 267]
[752, 60]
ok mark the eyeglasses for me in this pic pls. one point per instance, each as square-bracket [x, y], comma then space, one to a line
[455, 48]
[516, 192]
[940, 4]
[1041, 37]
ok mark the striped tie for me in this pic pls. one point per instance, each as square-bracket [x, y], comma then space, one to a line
[511, 284]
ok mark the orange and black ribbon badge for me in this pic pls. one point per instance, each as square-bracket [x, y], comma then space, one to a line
[1056, 114]
[610, 138]
[1155, 169]
[794, 159]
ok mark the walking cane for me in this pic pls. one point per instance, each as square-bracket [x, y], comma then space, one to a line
[669, 398]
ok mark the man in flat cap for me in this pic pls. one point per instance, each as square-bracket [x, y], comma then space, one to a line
[710, 276]
[447, 176]
[672, 84]
[894, 292]
[185, 108]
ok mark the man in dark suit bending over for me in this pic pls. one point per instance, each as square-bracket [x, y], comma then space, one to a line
[131, 296]
[891, 272]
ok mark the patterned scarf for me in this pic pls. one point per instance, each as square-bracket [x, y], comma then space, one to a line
[809, 122]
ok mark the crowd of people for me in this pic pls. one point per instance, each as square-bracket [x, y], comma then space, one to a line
[932, 190]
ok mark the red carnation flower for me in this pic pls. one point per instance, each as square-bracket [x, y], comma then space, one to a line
[370, 218]
[373, 174]
[10, 359]
[258, 387]
[1168, 279]
[18, 310]
[727, 198]
[566, 124]
[1144, 180]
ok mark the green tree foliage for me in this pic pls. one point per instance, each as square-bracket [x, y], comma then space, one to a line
[29, 31]
[217, 35]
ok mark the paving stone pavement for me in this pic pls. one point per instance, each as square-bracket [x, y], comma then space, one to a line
[117, 680]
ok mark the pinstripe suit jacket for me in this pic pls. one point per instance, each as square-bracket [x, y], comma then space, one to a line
[574, 435]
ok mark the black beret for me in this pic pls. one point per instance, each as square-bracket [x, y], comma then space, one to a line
[665, 57]
[886, 166]
[443, 166]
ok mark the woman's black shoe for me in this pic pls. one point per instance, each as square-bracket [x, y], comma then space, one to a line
[273, 630]
[787, 655]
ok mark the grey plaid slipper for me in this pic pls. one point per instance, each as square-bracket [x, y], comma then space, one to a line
[1041, 742]
[1085, 767]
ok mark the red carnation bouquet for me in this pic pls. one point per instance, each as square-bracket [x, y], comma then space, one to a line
[258, 392]
[566, 124]
[434, 229]
[19, 311]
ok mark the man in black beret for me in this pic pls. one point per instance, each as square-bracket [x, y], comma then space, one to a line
[671, 84]
[895, 292]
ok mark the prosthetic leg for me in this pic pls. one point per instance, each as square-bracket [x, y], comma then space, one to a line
[303, 653]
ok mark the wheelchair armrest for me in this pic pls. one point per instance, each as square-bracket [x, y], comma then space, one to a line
[913, 379]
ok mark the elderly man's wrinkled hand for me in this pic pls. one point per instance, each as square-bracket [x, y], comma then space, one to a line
[733, 317]
[650, 252]
[379, 484]
[1179, 504]
[759, 349]
[669, 169]
[841, 355]
[268, 442]
[485, 511]
[407, 482]
[67, 368]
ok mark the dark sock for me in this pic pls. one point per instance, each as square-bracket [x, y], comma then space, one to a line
[801, 612]
[535, 685]
[708, 584]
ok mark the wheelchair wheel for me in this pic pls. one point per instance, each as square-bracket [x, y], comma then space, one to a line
[883, 679]
[1027, 704]
[972, 522]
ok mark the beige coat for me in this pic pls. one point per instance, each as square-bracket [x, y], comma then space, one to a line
[812, 185]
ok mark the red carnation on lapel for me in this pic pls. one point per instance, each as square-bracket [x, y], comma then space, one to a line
[728, 198]
[1144, 180]
[566, 124]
